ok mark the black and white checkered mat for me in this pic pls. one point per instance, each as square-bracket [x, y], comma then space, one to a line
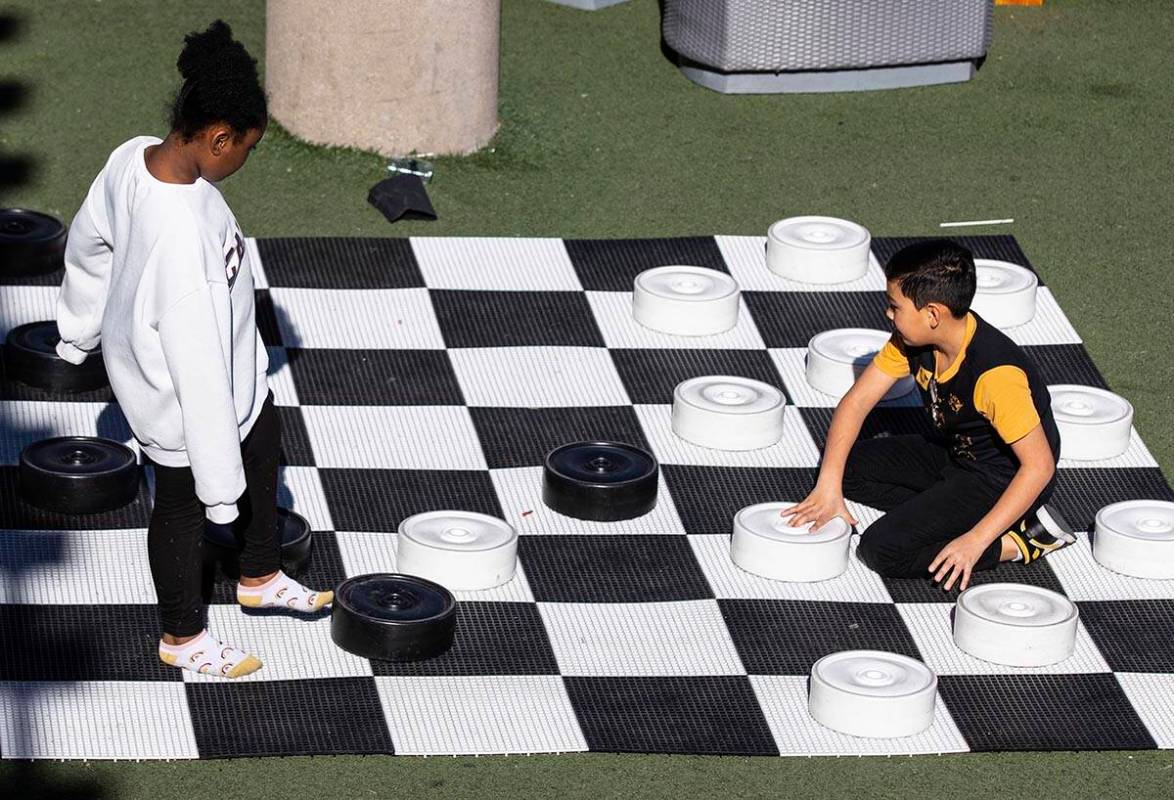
[435, 373]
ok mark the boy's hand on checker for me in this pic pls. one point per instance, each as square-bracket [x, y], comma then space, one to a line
[820, 507]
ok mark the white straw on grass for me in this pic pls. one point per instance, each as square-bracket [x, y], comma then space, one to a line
[974, 222]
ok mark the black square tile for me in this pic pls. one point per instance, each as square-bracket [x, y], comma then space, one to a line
[515, 319]
[1000, 248]
[340, 263]
[923, 590]
[701, 715]
[325, 571]
[321, 716]
[1065, 363]
[612, 569]
[377, 499]
[491, 639]
[15, 514]
[785, 637]
[266, 313]
[1083, 491]
[81, 642]
[295, 440]
[790, 319]
[374, 378]
[880, 422]
[521, 437]
[707, 498]
[611, 265]
[1043, 712]
[650, 376]
[1132, 635]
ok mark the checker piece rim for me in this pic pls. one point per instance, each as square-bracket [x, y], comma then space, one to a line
[77, 456]
[464, 531]
[391, 599]
[849, 345]
[819, 233]
[1088, 405]
[687, 283]
[604, 464]
[874, 673]
[1017, 605]
[1148, 520]
[25, 226]
[729, 394]
[1002, 277]
[768, 521]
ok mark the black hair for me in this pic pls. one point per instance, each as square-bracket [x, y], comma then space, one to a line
[934, 271]
[220, 84]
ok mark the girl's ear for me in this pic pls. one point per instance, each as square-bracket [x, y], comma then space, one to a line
[220, 138]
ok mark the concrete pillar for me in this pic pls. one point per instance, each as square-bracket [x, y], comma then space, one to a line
[385, 75]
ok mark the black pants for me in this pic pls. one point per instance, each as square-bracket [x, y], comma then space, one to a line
[929, 500]
[175, 539]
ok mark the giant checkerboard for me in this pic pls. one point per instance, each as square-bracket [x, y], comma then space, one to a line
[435, 373]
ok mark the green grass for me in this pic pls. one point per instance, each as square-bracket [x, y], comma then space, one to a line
[1066, 129]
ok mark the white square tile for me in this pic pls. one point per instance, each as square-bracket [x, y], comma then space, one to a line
[393, 437]
[1048, 326]
[281, 377]
[253, 256]
[613, 313]
[1085, 579]
[300, 489]
[795, 449]
[858, 584]
[509, 714]
[95, 719]
[538, 377]
[357, 319]
[520, 492]
[23, 422]
[784, 702]
[75, 567]
[1152, 697]
[745, 257]
[22, 304]
[644, 639]
[930, 625]
[791, 362]
[501, 264]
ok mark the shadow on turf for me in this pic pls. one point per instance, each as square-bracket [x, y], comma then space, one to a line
[15, 170]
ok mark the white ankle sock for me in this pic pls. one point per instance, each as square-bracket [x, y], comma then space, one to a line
[209, 656]
[282, 591]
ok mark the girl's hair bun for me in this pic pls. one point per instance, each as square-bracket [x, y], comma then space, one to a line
[220, 84]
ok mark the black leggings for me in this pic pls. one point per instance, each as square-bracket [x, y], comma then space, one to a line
[929, 500]
[175, 539]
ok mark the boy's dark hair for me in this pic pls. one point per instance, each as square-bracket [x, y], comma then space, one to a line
[934, 271]
[220, 84]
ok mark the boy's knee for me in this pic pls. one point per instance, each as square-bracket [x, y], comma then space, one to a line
[880, 550]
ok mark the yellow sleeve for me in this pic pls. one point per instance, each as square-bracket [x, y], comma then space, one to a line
[891, 360]
[1003, 396]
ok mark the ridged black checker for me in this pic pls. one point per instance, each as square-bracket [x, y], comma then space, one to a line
[612, 568]
[491, 639]
[790, 319]
[515, 319]
[1082, 491]
[340, 263]
[295, 440]
[923, 590]
[611, 265]
[1043, 712]
[785, 637]
[11, 389]
[521, 437]
[708, 497]
[53, 278]
[266, 314]
[374, 377]
[1065, 363]
[15, 514]
[881, 422]
[106, 642]
[1001, 248]
[325, 716]
[651, 375]
[1132, 635]
[376, 500]
[700, 715]
[326, 571]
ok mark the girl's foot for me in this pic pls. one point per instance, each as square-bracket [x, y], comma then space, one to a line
[282, 591]
[208, 656]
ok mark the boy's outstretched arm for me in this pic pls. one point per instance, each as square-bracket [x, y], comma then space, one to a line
[827, 498]
[1036, 468]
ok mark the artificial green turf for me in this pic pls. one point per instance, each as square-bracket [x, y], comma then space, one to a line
[1066, 129]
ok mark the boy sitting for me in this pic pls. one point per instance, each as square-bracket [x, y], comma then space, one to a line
[974, 494]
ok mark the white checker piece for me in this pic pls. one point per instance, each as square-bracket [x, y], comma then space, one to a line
[745, 256]
[393, 437]
[357, 319]
[23, 422]
[23, 304]
[510, 714]
[1084, 579]
[1152, 696]
[784, 702]
[366, 553]
[929, 624]
[95, 719]
[75, 567]
[300, 489]
[858, 584]
[519, 491]
[791, 362]
[1136, 455]
[795, 449]
[538, 377]
[641, 639]
[613, 313]
[1049, 325]
[281, 377]
[495, 264]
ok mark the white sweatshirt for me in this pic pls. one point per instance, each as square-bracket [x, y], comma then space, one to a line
[159, 275]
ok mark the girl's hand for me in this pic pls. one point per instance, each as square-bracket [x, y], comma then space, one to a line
[821, 506]
[956, 561]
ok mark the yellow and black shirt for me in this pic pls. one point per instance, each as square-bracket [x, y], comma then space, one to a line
[990, 397]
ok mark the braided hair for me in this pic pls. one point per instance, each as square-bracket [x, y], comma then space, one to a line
[220, 85]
